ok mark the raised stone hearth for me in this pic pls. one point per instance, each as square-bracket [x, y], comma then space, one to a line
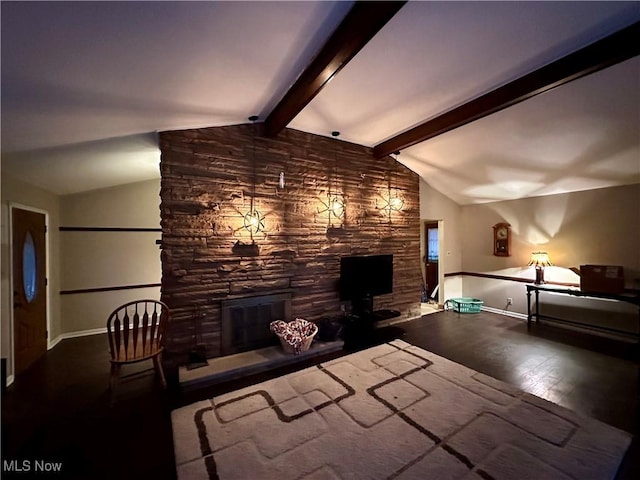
[230, 367]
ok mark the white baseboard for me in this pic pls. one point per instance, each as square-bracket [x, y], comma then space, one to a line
[80, 333]
[500, 311]
[520, 316]
[54, 342]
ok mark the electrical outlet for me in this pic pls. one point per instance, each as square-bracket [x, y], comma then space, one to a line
[509, 301]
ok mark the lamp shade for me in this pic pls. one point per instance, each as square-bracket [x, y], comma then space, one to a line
[539, 259]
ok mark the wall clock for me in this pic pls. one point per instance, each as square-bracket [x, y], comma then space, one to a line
[502, 239]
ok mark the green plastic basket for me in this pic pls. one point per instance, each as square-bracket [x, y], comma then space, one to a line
[466, 305]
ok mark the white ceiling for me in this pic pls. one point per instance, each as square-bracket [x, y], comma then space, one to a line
[85, 86]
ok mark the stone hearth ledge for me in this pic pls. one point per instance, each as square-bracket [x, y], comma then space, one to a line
[221, 369]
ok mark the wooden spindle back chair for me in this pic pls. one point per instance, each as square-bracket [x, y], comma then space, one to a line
[136, 332]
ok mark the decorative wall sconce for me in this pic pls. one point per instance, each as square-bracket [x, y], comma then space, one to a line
[393, 202]
[335, 205]
[253, 220]
[539, 260]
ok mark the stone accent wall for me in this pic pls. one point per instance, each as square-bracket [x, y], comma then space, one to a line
[207, 256]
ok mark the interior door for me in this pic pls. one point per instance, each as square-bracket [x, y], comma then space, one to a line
[431, 257]
[29, 287]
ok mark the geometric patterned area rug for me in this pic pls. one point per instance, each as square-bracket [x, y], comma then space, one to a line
[393, 411]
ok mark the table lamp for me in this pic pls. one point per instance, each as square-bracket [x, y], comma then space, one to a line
[539, 260]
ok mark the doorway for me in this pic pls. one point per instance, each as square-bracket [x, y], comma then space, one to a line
[29, 285]
[431, 260]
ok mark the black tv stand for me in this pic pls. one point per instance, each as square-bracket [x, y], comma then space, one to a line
[359, 330]
[362, 307]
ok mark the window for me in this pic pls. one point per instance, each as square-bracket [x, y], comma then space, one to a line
[29, 277]
[432, 245]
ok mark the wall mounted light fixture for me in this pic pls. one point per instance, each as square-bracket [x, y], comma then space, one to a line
[253, 219]
[395, 202]
[335, 205]
[539, 260]
[392, 201]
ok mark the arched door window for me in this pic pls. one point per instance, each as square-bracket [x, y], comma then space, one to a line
[29, 273]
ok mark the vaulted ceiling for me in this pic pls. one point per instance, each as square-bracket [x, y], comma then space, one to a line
[465, 90]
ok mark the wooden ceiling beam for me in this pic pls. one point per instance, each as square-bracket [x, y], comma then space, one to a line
[359, 26]
[615, 48]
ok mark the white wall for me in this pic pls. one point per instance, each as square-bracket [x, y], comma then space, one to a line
[86, 260]
[434, 206]
[99, 259]
[591, 227]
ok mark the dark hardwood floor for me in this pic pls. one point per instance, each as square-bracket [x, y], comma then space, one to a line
[59, 411]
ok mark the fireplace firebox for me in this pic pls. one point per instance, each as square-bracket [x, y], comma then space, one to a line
[245, 322]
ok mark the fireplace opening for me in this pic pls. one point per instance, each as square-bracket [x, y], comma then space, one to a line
[245, 322]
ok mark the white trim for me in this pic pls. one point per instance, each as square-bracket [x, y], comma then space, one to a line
[441, 250]
[54, 342]
[47, 253]
[10, 379]
[79, 333]
[500, 311]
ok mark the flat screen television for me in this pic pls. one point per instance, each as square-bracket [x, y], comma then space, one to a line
[363, 277]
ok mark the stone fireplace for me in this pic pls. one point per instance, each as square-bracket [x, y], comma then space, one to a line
[209, 261]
